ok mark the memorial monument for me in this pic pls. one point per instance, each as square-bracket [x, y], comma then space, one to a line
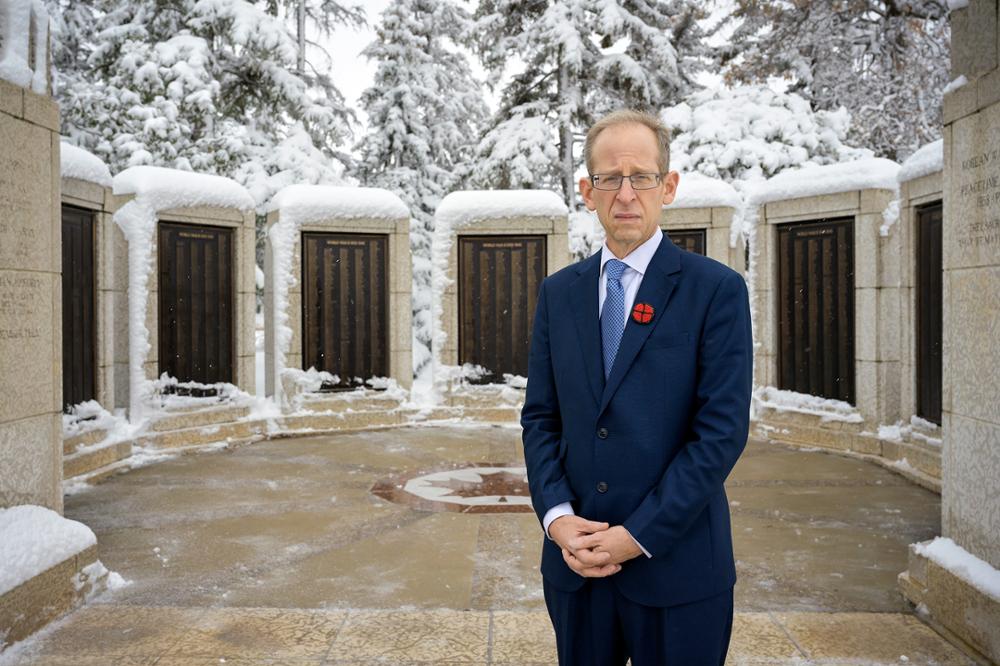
[955, 577]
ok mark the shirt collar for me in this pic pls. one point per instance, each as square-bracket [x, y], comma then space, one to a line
[639, 258]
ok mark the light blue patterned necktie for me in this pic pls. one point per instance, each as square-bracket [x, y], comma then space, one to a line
[613, 314]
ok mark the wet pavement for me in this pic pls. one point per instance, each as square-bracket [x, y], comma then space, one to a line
[407, 546]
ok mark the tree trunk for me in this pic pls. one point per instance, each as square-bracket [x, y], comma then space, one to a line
[301, 65]
[566, 164]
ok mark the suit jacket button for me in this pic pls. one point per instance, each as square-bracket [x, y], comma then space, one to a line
[602, 433]
[602, 487]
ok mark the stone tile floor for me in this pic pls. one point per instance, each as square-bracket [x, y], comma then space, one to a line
[279, 553]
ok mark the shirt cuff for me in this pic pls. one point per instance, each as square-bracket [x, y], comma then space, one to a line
[644, 551]
[558, 511]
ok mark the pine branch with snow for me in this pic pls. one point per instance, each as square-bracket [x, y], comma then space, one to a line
[886, 61]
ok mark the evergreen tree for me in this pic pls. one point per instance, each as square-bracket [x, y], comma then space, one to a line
[581, 58]
[209, 85]
[885, 60]
[425, 111]
[751, 133]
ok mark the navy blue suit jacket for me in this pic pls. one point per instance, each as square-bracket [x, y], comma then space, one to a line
[659, 436]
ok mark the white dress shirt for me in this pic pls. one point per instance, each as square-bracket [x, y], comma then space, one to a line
[637, 261]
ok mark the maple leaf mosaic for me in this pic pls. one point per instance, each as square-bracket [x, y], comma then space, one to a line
[474, 489]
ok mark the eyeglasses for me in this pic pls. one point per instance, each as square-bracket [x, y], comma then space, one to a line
[639, 181]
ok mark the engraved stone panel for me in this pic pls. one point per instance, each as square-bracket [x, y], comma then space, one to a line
[973, 329]
[25, 344]
[973, 206]
[25, 196]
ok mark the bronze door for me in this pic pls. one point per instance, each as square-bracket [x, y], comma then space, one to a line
[196, 302]
[816, 308]
[345, 311]
[929, 313]
[499, 277]
[78, 291]
[692, 240]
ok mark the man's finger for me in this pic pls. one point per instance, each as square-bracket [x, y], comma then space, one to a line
[591, 526]
[579, 567]
[589, 541]
[592, 558]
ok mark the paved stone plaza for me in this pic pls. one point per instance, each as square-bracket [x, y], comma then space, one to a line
[280, 553]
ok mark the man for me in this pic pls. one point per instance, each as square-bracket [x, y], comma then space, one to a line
[637, 408]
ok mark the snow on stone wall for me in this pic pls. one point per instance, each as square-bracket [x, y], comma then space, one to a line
[17, 19]
[78, 163]
[34, 539]
[927, 160]
[455, 211]
[872, 173]
[302, 204]
[157, 189]
[696, 190]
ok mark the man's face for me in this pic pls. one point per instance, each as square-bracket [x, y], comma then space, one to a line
[629, 216]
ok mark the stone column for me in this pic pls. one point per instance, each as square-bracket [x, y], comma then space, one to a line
[30, 300]
[970, 466]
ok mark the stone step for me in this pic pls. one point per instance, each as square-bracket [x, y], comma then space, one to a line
[484, 414]
[342, 420]
[791, 432]
[198, 436]
[775, 416]
[89, 438]
[200, 417]
[487, 400]
[93, 459]
[334, 402]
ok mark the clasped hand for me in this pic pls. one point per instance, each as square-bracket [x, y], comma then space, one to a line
[592, 549]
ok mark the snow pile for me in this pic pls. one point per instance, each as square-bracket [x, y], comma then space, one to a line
[927, 160]
[949, 555]
[85, 417]
[302, 204]
[696, 190]
[16, 18]
[955, 84]
[917, 429]
[873, 173]
[78, 163]
[889, 217]
[790, 401]
[34, 539]
[157, 189]
[456, 210]
[460, 208]
[314, 203]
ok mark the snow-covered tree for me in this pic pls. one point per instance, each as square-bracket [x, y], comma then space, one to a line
[750, 133]
[425, 111]
[886, 61]
[580, 58]
[209, 85]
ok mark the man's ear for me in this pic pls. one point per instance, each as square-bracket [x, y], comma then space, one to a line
[670, 187]
[586, 190]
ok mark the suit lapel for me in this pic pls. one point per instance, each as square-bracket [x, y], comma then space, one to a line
[584, 299]
[657, 285]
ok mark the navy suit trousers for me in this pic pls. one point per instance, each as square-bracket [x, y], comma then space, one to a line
[598, 626]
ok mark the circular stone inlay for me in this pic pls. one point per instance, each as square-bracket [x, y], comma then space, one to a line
[482, 488]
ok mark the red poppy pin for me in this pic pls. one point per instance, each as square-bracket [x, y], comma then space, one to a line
[642, 313]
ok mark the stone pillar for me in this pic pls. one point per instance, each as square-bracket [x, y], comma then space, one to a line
[30, 299]
[90, 190]
[707, 205]
[876, 289]
[303, 209]
[938, 577]
[496, 213]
